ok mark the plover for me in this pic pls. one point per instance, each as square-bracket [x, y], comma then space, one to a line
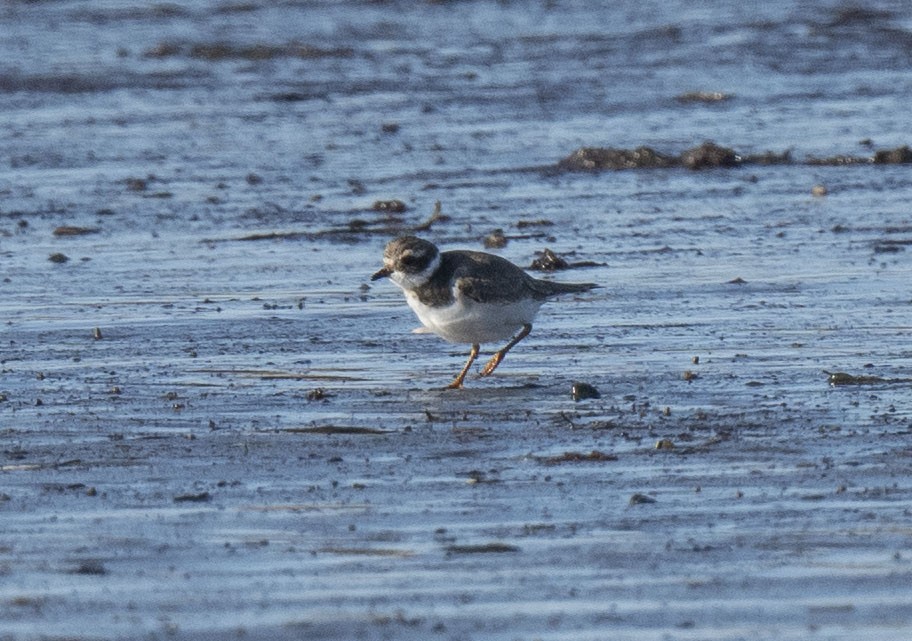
[468, 296]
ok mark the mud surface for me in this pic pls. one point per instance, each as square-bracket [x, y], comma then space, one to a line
[214, 427]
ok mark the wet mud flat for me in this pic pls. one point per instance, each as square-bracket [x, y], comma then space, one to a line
[214, 426]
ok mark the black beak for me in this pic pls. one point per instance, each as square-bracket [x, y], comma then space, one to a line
[383, 273]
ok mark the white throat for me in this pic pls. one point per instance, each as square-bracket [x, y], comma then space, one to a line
[410, 282]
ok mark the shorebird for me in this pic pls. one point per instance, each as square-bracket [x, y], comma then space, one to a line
[468, 296]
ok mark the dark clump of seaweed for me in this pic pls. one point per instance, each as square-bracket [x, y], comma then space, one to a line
[597, 158]
[710, 155]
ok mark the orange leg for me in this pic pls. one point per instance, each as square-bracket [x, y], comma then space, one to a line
[499, 356]
[457, 383]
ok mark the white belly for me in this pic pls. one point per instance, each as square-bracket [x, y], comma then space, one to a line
[467, 321]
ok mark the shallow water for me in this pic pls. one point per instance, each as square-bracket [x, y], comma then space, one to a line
[252, 444]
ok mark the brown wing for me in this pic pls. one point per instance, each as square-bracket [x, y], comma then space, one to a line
[485, 277]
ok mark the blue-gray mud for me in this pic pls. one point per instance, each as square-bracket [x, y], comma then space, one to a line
[214, 427]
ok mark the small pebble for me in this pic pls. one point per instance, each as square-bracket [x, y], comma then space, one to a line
[819, 190]
[582, 391]
[495, 240]
[390, 206]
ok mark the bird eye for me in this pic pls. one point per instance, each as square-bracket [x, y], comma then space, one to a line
[411, 260]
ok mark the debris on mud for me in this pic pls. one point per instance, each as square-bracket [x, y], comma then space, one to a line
[597, 159]
[706, 97]
[838, 160]
[711, 155]
[541, 222]
[200, 497]
[484, 548]
[71, 230]
[548, 261]
[394, 206]
[436, 216]
[381, 552]
[474, 477]
[582, 391]
[318, 394]
[137, 184]
[900, 155]
[891, 246]
[837, 379]
[595, 456]
[89, 567]
[335, 429]
[768, 158]
[219, 51]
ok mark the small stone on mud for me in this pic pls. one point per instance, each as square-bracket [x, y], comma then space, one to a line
[640, 499]
[689, 375]
[495, 240]
[819, 190]
[549, 262]
[664, 444]
[96, 333]
[582, 391]
[58, 258]
[318, 394]
[390, 206]
[136, 184]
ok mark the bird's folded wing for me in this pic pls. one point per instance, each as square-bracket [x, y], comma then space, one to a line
[496, 288]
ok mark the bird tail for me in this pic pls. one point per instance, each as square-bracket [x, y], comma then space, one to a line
[547, 288]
